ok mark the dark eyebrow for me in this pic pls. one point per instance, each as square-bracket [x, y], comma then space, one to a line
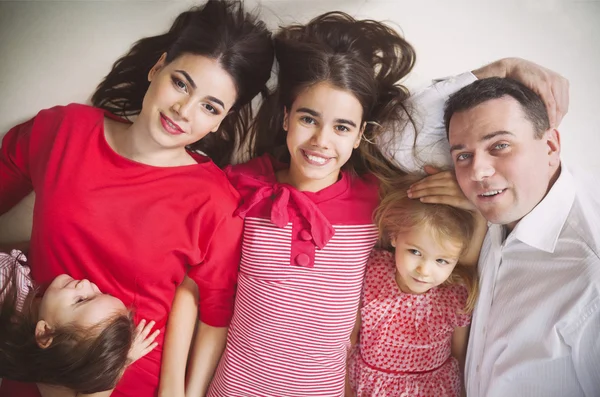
[309, 111]
[216, 100]
[344, 121]
[317, 114]
[188, 78]
[484, 138]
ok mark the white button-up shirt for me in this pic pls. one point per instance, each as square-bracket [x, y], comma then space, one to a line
[536, 326]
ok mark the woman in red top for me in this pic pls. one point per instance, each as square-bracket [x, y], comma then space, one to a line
[131, 205]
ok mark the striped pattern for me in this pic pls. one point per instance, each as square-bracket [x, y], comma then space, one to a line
[8, 263]
[290, 331]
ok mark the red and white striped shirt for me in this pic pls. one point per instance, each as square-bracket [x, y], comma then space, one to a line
[10, 264]
[303, 261]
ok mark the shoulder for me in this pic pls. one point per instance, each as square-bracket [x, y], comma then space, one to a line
[584, 217]
[73, 110]
[380, 262]
[258, 168]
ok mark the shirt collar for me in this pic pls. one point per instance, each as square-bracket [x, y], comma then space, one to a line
[542, 226]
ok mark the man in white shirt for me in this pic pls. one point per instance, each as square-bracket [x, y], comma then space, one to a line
[536, 325]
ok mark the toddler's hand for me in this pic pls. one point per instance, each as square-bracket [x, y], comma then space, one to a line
[143, 342]
[440, 187]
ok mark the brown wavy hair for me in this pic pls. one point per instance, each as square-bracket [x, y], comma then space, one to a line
[83, 359]
[220, 30]
[397, 212]
[364, 57]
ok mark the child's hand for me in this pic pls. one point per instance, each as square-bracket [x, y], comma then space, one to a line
[440, 187]
[143, 342]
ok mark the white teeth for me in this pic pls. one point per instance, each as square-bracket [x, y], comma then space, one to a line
[492, 193]
[316, 159]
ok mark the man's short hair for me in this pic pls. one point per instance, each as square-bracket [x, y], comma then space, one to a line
[485, 90]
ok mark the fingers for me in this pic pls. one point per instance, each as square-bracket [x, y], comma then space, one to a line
[431, 170]
[144, 341]
[560, 90]
[453, 201]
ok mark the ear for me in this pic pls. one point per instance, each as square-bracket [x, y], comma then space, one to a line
[157, 66]
[393, 240]
[360, 135]
[286, 119]
[552, 137]
[43, 334]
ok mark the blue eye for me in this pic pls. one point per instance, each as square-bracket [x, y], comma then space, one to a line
[500, 146]
[442, 261]
[463, 156]
[415, 252]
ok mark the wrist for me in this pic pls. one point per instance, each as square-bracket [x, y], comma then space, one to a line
[500, 68]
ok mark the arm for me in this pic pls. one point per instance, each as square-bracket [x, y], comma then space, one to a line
[178, 338]
[441, 187]
[206, 352]
[16, 224]
[549, 85]
[425, 142]
[584, 340]
[460, 338]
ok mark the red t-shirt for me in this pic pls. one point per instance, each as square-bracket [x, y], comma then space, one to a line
[133, 229]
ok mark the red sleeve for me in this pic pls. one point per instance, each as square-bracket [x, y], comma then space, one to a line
[15, 179]
[216, 276]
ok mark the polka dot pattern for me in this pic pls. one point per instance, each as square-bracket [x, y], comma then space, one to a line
[405, 339]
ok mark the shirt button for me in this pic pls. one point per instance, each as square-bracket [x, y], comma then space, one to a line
[302, 260]
[305, 235]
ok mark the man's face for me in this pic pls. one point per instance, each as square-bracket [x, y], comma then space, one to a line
[500, 164]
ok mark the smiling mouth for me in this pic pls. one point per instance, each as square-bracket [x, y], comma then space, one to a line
[491, 193]
[314, 159]
[170, 126]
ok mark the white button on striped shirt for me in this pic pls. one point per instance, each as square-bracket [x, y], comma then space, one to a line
[536, 327]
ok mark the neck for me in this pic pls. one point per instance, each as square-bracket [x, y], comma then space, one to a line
[553, 178]
[132, 142]
[293, 177]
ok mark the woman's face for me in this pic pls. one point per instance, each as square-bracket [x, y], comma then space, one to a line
[323, 128]
[187, 99]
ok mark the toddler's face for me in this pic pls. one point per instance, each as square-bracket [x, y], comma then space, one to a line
[421, 261]
[80, 302]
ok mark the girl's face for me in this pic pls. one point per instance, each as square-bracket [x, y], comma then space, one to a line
[187, 99]
[323, 127]
[421, 261]
[79, 302]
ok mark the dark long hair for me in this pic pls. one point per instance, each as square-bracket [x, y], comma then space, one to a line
[363, 57]
[84, 359]
[219, 30]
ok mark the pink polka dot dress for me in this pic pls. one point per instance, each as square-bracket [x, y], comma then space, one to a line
[405, 339]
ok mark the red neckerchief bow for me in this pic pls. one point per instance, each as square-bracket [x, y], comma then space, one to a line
[320, 228]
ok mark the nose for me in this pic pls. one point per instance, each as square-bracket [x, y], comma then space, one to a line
[481, 168]
[83, 284]
[183, 108]
[319, 137]
[423, 269]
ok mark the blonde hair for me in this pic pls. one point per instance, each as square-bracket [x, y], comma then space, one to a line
[397, 212]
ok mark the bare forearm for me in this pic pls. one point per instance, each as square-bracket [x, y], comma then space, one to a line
[178, 339]
[206, 353]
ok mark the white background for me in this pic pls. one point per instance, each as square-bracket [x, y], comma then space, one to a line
[57, 52]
